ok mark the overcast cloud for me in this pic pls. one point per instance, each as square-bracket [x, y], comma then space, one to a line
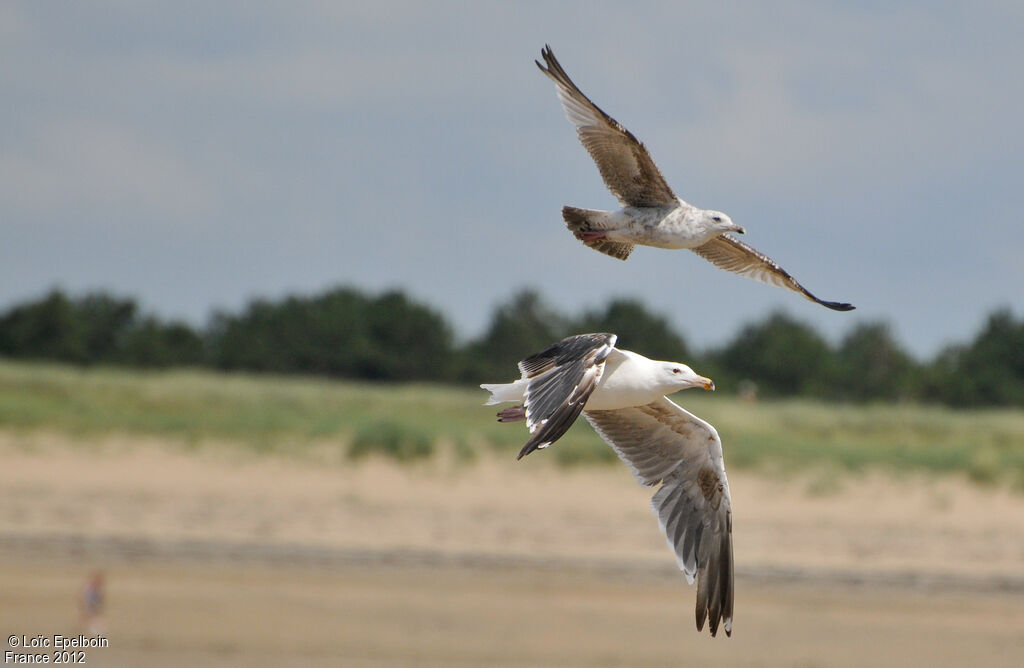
[195, 155]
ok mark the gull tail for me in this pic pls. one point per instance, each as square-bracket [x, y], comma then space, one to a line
[515, 391]
[587, 224]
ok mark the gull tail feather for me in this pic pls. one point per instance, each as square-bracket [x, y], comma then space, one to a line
[582, 221]
[501, 392]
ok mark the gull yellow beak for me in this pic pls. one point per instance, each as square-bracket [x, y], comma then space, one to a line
[708, 384]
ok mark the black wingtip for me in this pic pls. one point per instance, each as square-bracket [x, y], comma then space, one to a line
[547, 55]
[530, 447]
[835, 306]
[714, 618]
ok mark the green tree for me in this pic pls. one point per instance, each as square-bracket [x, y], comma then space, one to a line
[988, 371]
[519, 328]
[82, 331]
[338, 333]
[45, 329]
[152, 343]
[871, 365]
[104, 322]
[783, 356]
[410, 340]
[638, 329]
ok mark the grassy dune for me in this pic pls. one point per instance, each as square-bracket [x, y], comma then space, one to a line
[411, 421]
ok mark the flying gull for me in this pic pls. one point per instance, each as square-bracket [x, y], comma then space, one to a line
[622, 395]
[651, 214]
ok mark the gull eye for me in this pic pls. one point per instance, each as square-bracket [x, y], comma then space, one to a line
[677, 370]
[717, 219]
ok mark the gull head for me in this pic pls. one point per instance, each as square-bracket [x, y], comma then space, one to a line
[720, 222]
[681, 377]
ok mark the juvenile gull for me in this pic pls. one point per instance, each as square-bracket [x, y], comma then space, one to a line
[622, 395]
[651, 214]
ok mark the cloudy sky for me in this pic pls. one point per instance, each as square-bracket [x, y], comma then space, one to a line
[194, 155]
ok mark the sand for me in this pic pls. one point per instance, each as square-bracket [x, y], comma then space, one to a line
[217, 556]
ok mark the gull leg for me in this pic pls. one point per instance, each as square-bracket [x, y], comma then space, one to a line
[512, 414]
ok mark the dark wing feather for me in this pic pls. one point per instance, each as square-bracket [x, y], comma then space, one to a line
[663, 443]
[729, 253]
[562, 378]
[625, 165]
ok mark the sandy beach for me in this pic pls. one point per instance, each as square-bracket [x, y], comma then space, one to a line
[217, 556]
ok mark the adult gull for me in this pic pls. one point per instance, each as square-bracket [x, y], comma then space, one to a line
[622, 395]
[651, 214]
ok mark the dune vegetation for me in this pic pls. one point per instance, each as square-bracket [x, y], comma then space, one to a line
[415, 421]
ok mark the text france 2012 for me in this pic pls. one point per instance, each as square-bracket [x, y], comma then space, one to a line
[52, 649]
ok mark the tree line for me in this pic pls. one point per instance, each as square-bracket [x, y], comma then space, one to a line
[346, 333]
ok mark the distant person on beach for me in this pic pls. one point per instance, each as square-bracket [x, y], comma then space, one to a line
[91, 603]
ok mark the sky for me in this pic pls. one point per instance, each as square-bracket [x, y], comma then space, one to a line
[195, 155]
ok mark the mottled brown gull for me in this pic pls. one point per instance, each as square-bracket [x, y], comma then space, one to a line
[651, 214]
